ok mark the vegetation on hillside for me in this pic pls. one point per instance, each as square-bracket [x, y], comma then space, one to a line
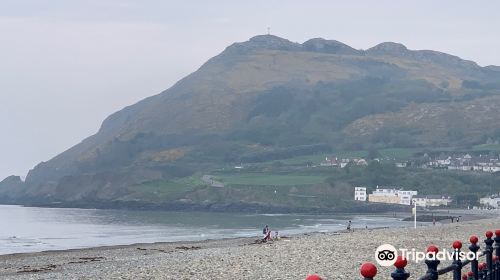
[274, 105]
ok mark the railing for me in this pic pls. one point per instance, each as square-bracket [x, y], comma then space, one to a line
[488, 270]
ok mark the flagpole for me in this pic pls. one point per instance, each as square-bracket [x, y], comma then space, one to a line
[415, 214]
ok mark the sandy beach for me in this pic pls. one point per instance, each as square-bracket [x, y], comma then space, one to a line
[335, 255]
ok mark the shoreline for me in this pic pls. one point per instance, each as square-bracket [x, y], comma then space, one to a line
[328, 254]
[240, 207]
[323, 253]
[465, 216]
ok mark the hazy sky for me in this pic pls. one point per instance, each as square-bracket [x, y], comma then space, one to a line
[66, 65]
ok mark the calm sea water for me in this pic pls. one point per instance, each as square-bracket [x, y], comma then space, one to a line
[31, 229]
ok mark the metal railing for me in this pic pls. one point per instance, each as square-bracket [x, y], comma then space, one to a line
[487, 270]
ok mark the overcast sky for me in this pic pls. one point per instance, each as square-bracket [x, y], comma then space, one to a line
[66, 65]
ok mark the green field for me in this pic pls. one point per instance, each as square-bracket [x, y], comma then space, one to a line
[399, 153]
[394, 153]
[171, 189]
[259, 179]
[487, 147]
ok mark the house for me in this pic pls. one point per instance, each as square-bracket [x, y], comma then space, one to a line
[431, 200]
[490, 201]
[391, 195]
[401, 164]
[392, 199]
[443, 162]
[360, 161]
[329, 162]
[360, 193]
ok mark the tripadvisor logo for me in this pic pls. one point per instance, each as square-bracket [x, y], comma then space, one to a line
[386, 255]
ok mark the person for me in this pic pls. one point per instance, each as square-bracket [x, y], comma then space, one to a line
[458, 219]
[433, 221]
[349, 226]
[267, 233]
[276, 236]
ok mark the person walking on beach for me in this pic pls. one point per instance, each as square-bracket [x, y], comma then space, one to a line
[349, 226]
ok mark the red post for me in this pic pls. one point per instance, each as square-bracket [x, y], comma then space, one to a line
[457, 272]
[489, 255]
[400, 273]
[368, 271]
[313, 277]
[432, 264]
[474, 263]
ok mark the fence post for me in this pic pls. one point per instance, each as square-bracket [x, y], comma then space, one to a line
[489, 252]
[400, 273]
[457, 271]
[432, 263]
[497, 254]
[495, 267]
[474, 263]
[481, 268]
[368, 271]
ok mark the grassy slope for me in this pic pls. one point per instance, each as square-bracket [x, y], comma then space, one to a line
[263, 179]
[487, 147]
[165, 190]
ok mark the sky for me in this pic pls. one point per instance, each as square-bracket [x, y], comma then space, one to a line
[66, 65]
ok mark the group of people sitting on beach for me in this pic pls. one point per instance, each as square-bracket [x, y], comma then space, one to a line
[268, 234]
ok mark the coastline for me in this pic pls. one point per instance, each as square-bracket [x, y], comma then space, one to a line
[240, 207]
[329, 254]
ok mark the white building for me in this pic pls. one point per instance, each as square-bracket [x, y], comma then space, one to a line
[405, 199]
[490, 201]
[431, 200]
[360, 193]
[392, 195]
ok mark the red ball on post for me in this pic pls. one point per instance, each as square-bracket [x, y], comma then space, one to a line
[481, 266]
[473, 239]
[457, 245]
[434, 249]
[497, 232]
[368, 270]
[401, 262]
[313, 277]
[488, 234]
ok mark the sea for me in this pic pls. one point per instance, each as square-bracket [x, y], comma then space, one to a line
[33, 229]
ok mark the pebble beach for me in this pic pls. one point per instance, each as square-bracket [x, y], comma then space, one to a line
[335, 255]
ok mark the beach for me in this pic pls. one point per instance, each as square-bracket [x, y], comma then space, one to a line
[335, 255]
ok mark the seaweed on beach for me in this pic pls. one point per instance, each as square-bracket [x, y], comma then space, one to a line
[188, 248]
[29, 269]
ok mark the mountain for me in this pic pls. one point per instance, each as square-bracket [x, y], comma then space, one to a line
[270, 98]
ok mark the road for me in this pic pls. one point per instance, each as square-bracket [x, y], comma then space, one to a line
[209, 179]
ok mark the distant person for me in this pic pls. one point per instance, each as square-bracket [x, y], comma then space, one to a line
[349, 226]
[458, 219]
[267, 233]
[276, 236]
[452, 219]
[433, 221]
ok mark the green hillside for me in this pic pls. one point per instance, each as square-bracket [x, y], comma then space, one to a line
[270, 100]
